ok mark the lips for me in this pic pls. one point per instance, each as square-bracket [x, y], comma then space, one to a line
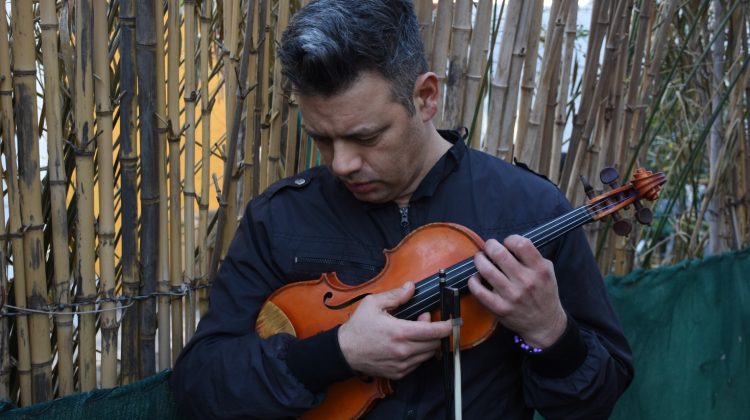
[360, 187]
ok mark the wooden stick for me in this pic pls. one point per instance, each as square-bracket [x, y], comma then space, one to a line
[58, 195]
[164, 313]
[30, 193]
[104, 123]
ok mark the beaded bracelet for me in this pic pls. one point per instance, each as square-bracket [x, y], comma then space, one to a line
[525, 346]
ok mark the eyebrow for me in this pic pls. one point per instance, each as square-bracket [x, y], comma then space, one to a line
[358, 133]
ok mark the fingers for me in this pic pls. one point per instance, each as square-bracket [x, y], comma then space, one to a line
[410, 364]
[523, 250]
[394, 298]
[493, 301]
[421, 331]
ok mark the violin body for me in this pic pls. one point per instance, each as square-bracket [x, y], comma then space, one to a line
[306, 308]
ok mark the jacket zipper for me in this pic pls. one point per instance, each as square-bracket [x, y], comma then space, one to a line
[405, 228]
[334, 262]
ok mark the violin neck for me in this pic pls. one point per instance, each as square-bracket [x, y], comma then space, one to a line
[427, 291]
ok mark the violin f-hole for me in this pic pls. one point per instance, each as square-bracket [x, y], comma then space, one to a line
[329, 295]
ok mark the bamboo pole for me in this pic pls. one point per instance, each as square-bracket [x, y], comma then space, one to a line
[634, 81]
[278, 102]
[232, 145]
[615, 252]
[85, 242]
[598, 25]
[231, 38]
[30, 189]
[457, 65]
[104, 123]
[743, 187]
[251, 152]
[5, 367]
[440, 45]
[162, 285]
[206, 107]
[608, 72]
[424, 14]
[716, 184]
[480, 40]
[175, 132]
[247, 164]
[229, 56]
[264, 65]
[583, 126]
[58, 196]
[652, 75]
[7, 124]
[528, 81]
[613, 107]
[562, 94]
[260, 80]
[716, 219]
[550, 62]
[150, 155]
[128, 159]
[23, 367]
[500, 82]
[191, 97]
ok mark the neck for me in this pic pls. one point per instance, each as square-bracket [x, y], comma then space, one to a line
[437, 146]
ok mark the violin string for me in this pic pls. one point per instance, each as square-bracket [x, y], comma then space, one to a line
[430, 295]
[551, 229]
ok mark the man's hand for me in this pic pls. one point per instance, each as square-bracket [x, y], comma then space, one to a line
[376, 343]
[523, 291]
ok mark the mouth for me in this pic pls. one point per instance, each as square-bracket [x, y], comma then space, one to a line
[360, 187]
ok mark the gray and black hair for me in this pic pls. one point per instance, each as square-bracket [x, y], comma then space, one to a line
[329, 43]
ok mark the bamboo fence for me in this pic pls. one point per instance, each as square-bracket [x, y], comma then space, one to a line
[153, 109]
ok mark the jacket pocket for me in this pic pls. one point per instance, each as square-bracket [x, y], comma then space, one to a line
[350, 270]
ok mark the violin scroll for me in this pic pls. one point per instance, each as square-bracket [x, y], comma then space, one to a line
[645, 184]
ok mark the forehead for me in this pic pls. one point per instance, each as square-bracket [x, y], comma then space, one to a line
[366, 104]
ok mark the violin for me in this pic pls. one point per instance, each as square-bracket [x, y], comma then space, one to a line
[428, 253]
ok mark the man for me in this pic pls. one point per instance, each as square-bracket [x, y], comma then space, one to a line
[367, 99]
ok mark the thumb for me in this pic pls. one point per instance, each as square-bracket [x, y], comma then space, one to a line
[395, 297]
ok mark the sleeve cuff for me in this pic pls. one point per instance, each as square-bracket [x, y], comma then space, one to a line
[564, 356]
[317, 361]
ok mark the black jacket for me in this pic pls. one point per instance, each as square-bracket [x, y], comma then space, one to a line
[309, 224]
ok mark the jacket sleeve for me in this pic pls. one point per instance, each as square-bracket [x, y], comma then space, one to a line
[227, 370]
[583, 374]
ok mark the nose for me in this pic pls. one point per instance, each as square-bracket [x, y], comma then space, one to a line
[346, 158]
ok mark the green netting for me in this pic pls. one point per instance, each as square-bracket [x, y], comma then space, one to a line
[687, 325]
[148, 399]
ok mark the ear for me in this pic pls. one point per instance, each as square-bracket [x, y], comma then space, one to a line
[426, 95]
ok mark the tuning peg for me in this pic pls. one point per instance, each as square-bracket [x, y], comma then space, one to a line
[642, 214]
[621, 226]
[587, 188]
[609, 176]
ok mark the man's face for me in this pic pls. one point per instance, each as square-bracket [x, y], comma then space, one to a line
[368, 140]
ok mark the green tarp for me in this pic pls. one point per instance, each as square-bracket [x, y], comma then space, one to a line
[687, 324]
[689, 327]
[149, 399]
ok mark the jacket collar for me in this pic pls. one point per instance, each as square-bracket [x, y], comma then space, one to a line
[444, 166]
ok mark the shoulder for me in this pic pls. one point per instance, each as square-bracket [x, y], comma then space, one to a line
[288, 196]
[296, 184]
[508, 177]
